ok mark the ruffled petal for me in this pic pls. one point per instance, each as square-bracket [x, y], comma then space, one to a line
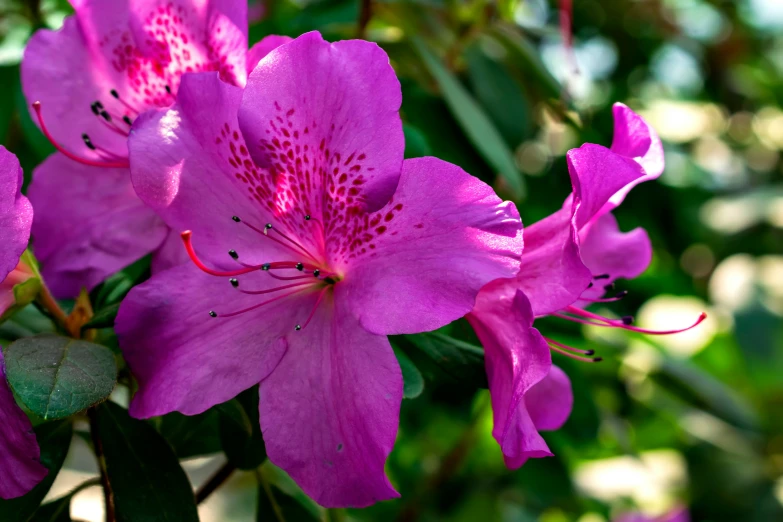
[329, 411]
[259, 51]
[550, 400]
[419, 262]
[88, 225]
[16, 213]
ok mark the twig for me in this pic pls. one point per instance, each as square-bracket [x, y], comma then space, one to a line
[98, 446]
[215, 482]
[365, 14]
[49, 304]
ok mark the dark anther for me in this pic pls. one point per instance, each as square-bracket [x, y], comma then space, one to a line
[94, 108]
[589, 352]
[609, 287]
[168, 89]
[598, 359]
[316, 272]
[212, 313]
[105, 116]
[265, 266]
[234, 282]
[268, 226]
[307, 217]
[299, 266]
[127, 120]
[622, 294]
[590, 285]
[114, 93]
[602, 276]
[627, 319]
[233, 254]
[298, 327]
[88, 142]
[236, 219]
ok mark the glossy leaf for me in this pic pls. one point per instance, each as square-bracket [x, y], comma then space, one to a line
[56, 376]
[459, 361]
[145, 476]
[413, 382]
[240, 431]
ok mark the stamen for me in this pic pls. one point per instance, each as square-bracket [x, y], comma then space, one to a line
[272, 290]
[574, 356]
[259, 305]
[234, 282]
[106, 164]
[624, 323]
[315, 307]
[186, 238]
[267, 227]
[602, 276]
[130, 107]
[569, 348]
[617, 297]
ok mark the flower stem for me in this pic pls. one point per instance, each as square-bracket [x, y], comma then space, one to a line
[365, 14]
[215, 482]
[49, 304]
[108, 495]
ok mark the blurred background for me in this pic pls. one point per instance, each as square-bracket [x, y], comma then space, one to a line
[689, 420]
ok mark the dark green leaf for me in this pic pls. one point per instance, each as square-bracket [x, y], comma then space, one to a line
[458, 360]
[191, 436]
[471, 117]
[416, 145]
[56, 376]
[275, 505]
[240, 431]
[413, 382]
[145, 476]
[56, 511]
[54, 440]
[115, 288]
[104, 318]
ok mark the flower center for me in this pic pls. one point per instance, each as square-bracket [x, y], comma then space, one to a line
[314, 272]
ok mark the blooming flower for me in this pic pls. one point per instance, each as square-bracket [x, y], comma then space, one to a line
[306, 263]
[19, 452]
[571, 259]
[112, 61]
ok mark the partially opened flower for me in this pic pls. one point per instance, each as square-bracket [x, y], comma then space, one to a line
[20, 467]
[311, 240]
[571, 259]
[88, 82]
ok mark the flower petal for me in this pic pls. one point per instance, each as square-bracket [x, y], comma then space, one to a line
[550, 400]
[552, 274]
[89, 224]
[620, 255]
[259, 51]
[418, 263]
[315, 112]
[20, 455]
[185, 360]
[169, 254]
[190, 164]
[517, 358]
[634, 138]
[329, 411]
[16, 213]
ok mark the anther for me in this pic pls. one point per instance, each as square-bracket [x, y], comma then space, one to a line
[94, 108]
[622, 294]
[590, 285]
[316, 272]
[268, 226]
[236, 219]
[299, 266]
[88, 142]
[265, 266]
[233, 254]
[212, 313]
[114, 93]
[234, 282]
[105, 116]
[609, 287]
[298, 327]
[168, 89]
[307, 217]
[127, 120]
[627, 319]
[602, 276]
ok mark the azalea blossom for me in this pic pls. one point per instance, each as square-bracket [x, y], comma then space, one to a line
[20, 466]
[571, 259]
[311, 241]
[88, 83]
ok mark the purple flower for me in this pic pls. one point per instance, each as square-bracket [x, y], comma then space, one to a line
[112, 61]
[311, 240]
[19, 452]
[571, 259]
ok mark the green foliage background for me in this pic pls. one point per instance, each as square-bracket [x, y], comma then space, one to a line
[487, 85]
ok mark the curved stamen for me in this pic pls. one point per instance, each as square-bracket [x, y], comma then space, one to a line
[272, 290]
[574, 356]
[624, 323]
[106, 164]
[186, 238]
[618, 297]
[315, 307]
[569, 348]
[130, 107]
[258, 305]
[300, 251]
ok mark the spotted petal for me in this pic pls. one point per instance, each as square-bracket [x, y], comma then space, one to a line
[16, 213]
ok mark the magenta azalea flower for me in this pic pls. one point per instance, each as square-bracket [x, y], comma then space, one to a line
[19, 452]
[306, 263]
[571, 259]
[112, 61]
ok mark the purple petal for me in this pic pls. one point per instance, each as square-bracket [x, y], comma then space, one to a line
[421, 260]
[550, 400]
[552, 274]
[259, 51]
[634, 138]
[169, 254]
[606, 250]
[190, 164]
[20, 455]
[89, 224]
[329, 412]
[16, 213]
[517, 358]
[187, 361]
[326, 108]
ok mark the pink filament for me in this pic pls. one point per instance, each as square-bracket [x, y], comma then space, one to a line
[598, 320]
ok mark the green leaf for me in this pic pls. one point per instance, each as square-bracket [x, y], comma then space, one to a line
[416, 145]
[460, 361]
[145, 476]
[54, 440]
[191, 436]
[413, 382]
[116, 287]
[294, 504]
[104, 318]
[56, 511]
[56, 376]
[274, 505]
[240, 431]
[471, 117]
